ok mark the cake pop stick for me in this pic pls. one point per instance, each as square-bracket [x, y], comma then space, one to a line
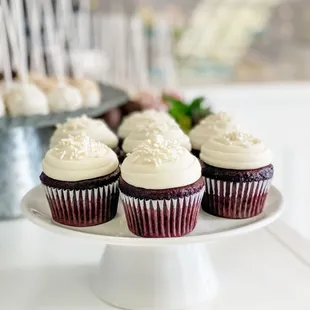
[18, 14]
[140, 53]
[107, 49]
[84, 22]
[6, 61]
[34, 10]
[67, 21]
[11, 33]
[60, 36]
[53, 43]
[164, 55]
[120, 48]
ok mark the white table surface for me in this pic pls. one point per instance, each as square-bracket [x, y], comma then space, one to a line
[43, 271]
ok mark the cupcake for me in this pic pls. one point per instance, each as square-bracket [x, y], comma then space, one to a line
[169, 130]
[138, 119]
[80, 177]
[238, 173]
[161, 189]
[95, 129]
[212, 125]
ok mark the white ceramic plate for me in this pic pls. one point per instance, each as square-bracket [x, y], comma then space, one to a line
[209, 228]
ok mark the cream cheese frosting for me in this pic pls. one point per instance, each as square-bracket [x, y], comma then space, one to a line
[169, 130]
[158, 163]
[138, 119]
[236, 150]
[212, 125]
[95, 129]
[79, 158]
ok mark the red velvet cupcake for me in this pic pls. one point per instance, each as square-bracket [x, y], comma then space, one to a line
[238, 173]
[161, 189]
[80, 178]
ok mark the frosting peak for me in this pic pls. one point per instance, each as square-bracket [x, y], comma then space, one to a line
[220, 117]
[212, 125]
[169, 131]
[241, 138]
[136, 120]
[236, 150]
[95, 129]
[76, 123]
[158, 163]
[78, 158]
[157, 150]
[79, 147]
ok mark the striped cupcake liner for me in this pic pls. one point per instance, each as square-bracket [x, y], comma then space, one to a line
[162, 218]
[83, 208]
[235, 200]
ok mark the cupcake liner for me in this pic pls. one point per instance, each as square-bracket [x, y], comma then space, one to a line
[235, 200]
[162, 218]
[83, 207]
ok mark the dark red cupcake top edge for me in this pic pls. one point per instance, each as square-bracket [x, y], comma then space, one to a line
[231, 175]
[160, 194]
[83, 184]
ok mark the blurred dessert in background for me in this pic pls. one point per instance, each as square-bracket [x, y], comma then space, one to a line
[2, 107]
[26, 99]
[89, 90]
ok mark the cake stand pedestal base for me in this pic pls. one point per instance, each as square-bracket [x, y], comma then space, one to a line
[167, 277]
[154, 273]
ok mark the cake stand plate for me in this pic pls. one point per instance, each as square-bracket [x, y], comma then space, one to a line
[140, 273]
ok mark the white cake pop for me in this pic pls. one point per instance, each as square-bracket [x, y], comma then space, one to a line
[65, 98]
[45, 83]
[89, 90]
[5, 88]
[26, 99]
[2, 107]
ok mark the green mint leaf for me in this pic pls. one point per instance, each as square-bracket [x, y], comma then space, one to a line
[196, 103]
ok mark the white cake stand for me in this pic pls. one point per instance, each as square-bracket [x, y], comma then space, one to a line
[139, 273]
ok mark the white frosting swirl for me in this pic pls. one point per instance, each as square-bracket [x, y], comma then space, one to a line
[79, 158]
[236, 150]
[95, 129]
[169, 130]
[138, 119]
[212, 125]
[158, 163]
